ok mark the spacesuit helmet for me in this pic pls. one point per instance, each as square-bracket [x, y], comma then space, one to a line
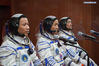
[13, 24]
[48, 22]
[63, 23]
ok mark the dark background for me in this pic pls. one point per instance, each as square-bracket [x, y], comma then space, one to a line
[84, 17]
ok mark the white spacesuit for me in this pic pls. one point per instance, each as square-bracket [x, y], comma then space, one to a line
[13, 54]
[75, 54]
[48, 47]
[49, 52]
[71, 52]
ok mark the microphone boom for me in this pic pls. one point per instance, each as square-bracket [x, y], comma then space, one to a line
[86, 35]
[94, 32]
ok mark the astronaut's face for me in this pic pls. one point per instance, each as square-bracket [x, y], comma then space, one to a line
[69, 24]
[24, 26]
[55, 27]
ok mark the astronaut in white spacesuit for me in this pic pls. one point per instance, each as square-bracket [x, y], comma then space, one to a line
[17, 49]
[73, 53]
[48, 47]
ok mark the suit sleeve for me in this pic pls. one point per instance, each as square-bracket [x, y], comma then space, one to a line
[8, 56]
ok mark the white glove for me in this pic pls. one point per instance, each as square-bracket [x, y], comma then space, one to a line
[67, 61]
[74, 64]
[83, 61]
[83, 55]
[56, 64]
[76, 58]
